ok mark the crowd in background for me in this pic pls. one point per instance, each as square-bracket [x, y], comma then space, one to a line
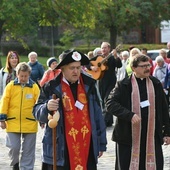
[108, 66]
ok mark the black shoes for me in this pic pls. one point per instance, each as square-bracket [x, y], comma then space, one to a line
[16, 166]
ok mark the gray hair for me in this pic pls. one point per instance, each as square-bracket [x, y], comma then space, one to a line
[159, 59]
[32, 53]
[23, 66]
[96, 50]
[125, 53]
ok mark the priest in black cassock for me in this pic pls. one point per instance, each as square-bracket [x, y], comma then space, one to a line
[143, 123]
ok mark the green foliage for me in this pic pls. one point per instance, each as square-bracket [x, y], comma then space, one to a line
[90, 18]
[19, 20]
[20, 16]
[77, 13]
[48, 16]
[67, 39]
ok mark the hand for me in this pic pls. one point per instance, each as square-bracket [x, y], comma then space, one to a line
[114, 52]
[53, 104]
[3, 125]
[135, 119]
[94, 68]
[100, 154]
[166, 140]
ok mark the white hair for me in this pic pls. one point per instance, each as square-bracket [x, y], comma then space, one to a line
[32, 53]
[125, 53]
[95, 51]
[159, 59]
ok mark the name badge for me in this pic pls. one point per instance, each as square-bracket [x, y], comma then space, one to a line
[144, 104]
[79, 105]
[29, 96]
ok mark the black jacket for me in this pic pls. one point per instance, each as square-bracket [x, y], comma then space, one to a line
[119, 104]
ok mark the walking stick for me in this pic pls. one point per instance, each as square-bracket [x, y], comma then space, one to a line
[53, 121]
[54, 148]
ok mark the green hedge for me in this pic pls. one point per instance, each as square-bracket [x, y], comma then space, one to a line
[45, 51]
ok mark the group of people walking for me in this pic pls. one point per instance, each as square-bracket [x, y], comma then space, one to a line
[125, 88]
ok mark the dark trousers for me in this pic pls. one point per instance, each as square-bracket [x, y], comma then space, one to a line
[123, 157]
[50, 167]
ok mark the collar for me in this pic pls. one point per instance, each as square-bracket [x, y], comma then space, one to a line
[67, 82]
[28, 84]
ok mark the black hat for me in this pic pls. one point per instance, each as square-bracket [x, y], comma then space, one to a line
[70, 56]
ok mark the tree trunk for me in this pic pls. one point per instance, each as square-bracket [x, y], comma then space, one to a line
[113, 36]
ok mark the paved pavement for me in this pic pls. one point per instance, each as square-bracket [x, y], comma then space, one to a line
[106, 162]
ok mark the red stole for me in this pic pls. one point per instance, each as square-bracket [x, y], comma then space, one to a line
[136, 128]
[77, 125]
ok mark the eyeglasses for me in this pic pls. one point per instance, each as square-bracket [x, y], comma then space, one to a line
[144, 66]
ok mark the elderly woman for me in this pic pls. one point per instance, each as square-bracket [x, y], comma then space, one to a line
[160, 69]
[97, 51]
[8, 72]
[121, 72]
[37, 69]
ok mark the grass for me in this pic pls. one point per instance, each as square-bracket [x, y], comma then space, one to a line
[42, 60]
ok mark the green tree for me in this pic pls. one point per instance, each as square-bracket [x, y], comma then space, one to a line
[124, 15]
[22, 18]
[111, 16]
[19, 19]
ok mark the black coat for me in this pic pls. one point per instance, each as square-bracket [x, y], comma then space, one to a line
[119, 104]
[108, 81]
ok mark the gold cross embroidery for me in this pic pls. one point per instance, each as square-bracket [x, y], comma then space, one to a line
[84, 130]
[73, 132]
[79, 167]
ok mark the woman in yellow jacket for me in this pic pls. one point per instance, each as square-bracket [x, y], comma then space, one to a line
[16, 117]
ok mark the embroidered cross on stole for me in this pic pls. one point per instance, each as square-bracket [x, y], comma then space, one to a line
[77, 126]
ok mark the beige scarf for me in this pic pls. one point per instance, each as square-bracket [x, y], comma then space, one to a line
[136, 128]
